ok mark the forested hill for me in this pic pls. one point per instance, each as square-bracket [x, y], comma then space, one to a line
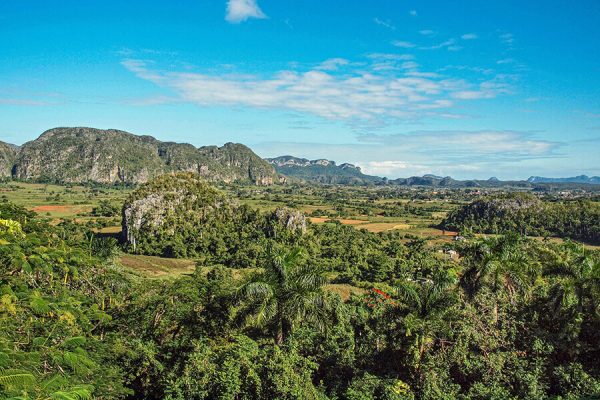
[111, 156]
[321, 171]
[526, 214]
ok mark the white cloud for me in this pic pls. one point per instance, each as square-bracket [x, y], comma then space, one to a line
[450, 44]
[410, 65]
[467, 145]
[241, 10]
[392, 168]
[506, 61]
[413, 13]
[508, 39]
[458, 153]
[372, 92]
[333, 64]
[403, 44]
[469, 36]
[427, 32]
[390, 56]
[386, 24]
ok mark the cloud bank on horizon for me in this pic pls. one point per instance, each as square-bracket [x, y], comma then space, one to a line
[398, 89]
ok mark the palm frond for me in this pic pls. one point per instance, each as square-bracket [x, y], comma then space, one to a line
[408, 292]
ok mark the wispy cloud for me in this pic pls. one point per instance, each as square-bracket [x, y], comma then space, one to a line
[508, 39]
[468, 145]
[24, 102]
[427, 32]
[506, 61]
[469, 36]
[459, 153]
[392, 168]
[384, 23]
[361, 93]
[413, 13]
[333, 64]
[242, 10]
[152, 101]
[409, 65]
[450, 44]
[500, 84]
[403, 44]
[479, 70]
[390, 56]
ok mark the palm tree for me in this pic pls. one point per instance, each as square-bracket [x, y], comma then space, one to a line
[426, 300]
[582, 273]
[498, 264]
[283, 295]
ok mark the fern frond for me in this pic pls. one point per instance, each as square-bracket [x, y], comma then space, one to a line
[73, 342]
[77, 393]
[16, 378]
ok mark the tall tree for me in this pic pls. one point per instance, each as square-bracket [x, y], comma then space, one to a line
[425, 300]
[581, 271]
[498, 264]
[284, 294]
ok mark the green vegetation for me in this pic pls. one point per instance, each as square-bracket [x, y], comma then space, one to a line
[79, 155]
[321, 171]
[525, 213]
[180, 215]
[256, 302]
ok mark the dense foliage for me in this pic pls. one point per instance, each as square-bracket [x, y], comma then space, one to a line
[525, 213]
[54, 298]
[180, 215]
[512, 318]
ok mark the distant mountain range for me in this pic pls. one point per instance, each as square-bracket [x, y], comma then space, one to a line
[321, 171]
[328, 172]
[77, 155]
[574, 179]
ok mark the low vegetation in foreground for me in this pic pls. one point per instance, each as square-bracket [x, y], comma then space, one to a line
[255, 301]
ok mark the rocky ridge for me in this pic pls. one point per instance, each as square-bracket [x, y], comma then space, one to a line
[321, 171]
[74, 155]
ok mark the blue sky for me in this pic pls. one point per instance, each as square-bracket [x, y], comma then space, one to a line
[470, 89]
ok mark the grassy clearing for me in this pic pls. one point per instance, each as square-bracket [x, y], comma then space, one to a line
[110, 230]
[384, 226]
[165, 268]
[157, 267]
[56, 201]
[344, 290]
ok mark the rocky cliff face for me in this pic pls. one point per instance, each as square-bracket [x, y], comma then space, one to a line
[8, 153]
[168, 203]
[85, 154]
[109, 156]
[321, 171]
[182, 215]
[238, 159]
